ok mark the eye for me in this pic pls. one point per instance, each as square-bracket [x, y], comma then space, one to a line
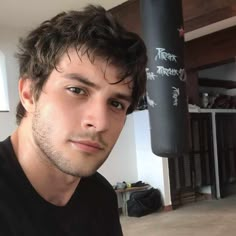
[117, 105]
[76, 90]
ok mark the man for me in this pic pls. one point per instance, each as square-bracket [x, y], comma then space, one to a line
[81, 73]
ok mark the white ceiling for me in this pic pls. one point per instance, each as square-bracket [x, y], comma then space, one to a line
[28, 13]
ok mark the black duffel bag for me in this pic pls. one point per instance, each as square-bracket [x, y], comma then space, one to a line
[144, 202]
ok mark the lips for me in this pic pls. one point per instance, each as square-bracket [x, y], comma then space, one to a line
[91, 144]
[87, 146]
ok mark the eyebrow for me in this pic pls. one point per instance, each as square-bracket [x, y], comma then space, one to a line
[86, 81]
[124, 97]
[81, 79]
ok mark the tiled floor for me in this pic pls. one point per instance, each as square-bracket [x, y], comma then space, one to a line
[202, 218]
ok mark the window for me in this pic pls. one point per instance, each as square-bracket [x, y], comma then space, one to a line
[4, 103]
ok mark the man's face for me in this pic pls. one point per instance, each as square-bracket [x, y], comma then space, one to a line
[80, 114]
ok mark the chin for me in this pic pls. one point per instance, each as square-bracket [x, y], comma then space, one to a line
[82, 167]
[88, 172]
[80, 172]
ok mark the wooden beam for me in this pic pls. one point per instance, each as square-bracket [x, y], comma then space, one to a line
[206, 82]
[197, 8]
[196, 13]
[212, 49]
[210, 18]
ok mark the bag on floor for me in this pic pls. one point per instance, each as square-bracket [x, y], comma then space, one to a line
[144, 202]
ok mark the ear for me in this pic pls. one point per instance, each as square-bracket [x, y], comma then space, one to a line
[26, 94]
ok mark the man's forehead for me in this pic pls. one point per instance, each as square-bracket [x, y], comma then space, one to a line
[112, 72]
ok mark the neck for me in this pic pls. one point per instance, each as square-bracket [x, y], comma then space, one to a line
[52, 184]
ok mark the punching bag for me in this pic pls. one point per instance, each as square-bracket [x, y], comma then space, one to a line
[163, 33]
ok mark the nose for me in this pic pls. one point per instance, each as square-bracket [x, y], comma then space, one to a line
[95, 116]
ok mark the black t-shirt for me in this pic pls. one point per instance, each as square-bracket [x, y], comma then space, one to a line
[91, 211]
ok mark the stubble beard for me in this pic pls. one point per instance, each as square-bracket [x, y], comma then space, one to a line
[41, 134]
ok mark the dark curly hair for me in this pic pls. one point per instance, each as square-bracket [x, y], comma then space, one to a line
[95, 31]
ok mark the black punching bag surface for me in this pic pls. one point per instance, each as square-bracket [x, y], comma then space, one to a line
[163, 33]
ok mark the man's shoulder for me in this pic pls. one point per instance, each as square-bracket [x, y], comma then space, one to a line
[5, 150]
[8, 168]
[7, 179]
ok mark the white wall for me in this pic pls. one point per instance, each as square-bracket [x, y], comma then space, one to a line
[132, 159]
[4, 104]
[151, 168]
[122, 164]
[8, 42]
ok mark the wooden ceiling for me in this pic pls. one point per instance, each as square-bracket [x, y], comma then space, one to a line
[196, 13]
[203, 52]
[212, 49]
[199, 13]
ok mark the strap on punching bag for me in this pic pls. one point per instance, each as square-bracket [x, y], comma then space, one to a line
[163, 33]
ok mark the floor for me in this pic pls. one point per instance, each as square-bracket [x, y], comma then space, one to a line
[202, 218]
